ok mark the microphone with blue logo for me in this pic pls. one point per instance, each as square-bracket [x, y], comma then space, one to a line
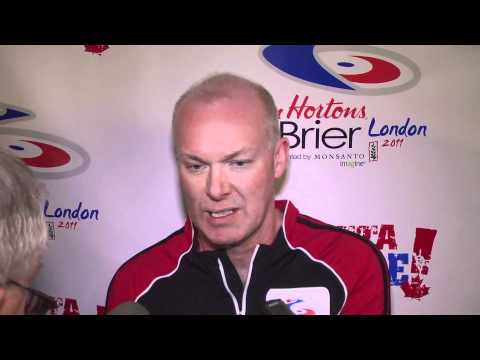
[277, 307]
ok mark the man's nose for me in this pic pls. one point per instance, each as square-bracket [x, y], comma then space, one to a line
[218, 186]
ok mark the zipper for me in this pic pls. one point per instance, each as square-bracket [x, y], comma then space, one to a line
[243, 309]
[235, 302]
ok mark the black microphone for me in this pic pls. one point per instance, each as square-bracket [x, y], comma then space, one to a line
[277, 307]
[129, 308]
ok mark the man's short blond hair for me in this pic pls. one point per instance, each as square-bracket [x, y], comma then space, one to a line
[229, 86]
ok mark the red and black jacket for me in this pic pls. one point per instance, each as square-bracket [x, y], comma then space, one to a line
[314, 267]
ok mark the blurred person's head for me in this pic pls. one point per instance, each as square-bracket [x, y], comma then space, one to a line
[23, 235]
[229, 154]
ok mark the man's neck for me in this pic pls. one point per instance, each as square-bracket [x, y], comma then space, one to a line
[241, 255]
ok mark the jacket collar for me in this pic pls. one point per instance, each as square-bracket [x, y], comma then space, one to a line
[290, 213]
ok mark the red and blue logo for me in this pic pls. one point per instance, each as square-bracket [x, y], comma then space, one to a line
[359, 70]
[298, 308]
[48, 156]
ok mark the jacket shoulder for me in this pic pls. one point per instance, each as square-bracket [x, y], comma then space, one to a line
[357, 261]
[324, 235]
[136, 274]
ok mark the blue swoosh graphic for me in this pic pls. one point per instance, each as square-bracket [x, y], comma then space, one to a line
[298, 60]
[12, 114]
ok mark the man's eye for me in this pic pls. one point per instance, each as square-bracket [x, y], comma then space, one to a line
[240, 163]
[195, 167]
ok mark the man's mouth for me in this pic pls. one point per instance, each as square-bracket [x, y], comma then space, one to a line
[221, 213]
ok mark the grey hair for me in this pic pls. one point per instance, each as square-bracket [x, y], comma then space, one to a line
[226, 85]
[23, 230]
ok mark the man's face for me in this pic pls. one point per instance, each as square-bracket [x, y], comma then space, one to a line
[12, 300]
[13, 297]
[226, 168]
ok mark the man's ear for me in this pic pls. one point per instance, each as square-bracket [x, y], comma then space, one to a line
[280, 157]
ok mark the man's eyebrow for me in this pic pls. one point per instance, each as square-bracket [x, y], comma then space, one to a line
[225, 158]
[233, 155]
[193, 157]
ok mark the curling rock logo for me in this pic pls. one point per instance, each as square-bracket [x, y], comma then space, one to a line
[48, 156]
[357, 70]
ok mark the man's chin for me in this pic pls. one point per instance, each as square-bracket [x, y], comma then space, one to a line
[223, 243]
[221, 240]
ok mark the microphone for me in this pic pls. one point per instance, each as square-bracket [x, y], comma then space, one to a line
[277, 307]
[129, 308]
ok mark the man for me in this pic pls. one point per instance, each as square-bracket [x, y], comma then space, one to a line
[239, 248]
[23, 239]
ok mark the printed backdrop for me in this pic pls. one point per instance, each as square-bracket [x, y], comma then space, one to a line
[384, 142]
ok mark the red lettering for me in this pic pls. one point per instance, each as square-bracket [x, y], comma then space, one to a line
[100, 310]
[334, 109]
[347, 112]
[309, 112]
[362, 112]
[352, 112]
[387, 236]
[421, 257]
[365, 231]
[295, 108]
[351, 228]
[329, 106]
[71, 307]
[318, 115]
